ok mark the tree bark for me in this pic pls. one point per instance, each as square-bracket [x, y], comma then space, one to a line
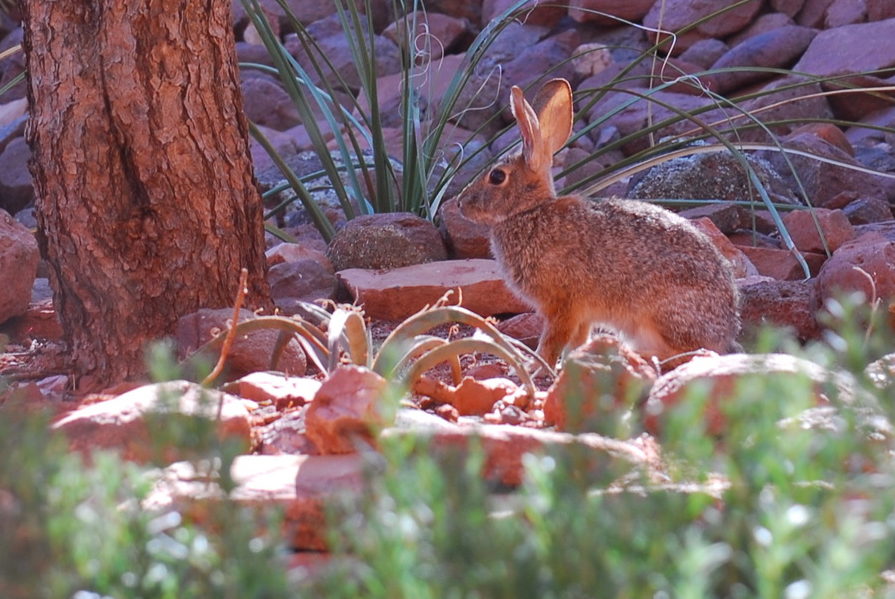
[146, 205]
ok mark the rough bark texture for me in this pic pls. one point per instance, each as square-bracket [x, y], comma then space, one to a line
[146, 203]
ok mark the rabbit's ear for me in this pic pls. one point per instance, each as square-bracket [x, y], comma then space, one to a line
[553, 105]
[537, 155]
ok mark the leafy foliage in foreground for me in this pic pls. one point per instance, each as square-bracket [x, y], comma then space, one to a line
[770, 510]
[72, 530]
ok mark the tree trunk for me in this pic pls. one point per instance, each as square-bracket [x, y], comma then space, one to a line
[147, 207]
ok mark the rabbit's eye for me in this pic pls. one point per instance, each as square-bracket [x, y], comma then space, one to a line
[497, 177]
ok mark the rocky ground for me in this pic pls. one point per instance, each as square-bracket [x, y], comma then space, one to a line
[293, 423]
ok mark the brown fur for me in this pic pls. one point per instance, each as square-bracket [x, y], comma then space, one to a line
[628, 266]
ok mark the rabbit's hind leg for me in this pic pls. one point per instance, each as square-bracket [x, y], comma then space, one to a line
[562, 328]
[650, 342]
[580, 336]
[672, 341]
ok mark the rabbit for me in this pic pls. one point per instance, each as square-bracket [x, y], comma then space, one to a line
[627, 266]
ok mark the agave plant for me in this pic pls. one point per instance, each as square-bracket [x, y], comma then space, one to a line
[342, 337]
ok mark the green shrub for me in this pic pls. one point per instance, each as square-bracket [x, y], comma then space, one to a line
[773, 508]
[769, 510]
[71, 530]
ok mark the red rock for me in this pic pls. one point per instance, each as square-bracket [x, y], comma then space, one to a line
[308, 236]
[710, 176]
[674, 15]
[727, 217]
[509, 414]
[705, 52]
[435, 33]
[813, 13]
[399, 293]
[526, 66]
[803, 225]
[792, 305]
[462, 9]
[307, 11]
[788, 7]
[723, 376]
[763, 24]
[600, 382]
[459, 144]
[337, 51]
[852, 43]
[852, 105]
[781, 264]
[19, 258]
[485, 370]
[448, 412]
[505, 447]
[878, 10]
[254, 53]
[464, 238]
[754, 239]
[885, 229]
[822, 182]
[285, 434]
[474, 397]
[585, 11]
[295, 252]
[862, 211]
[16, 186]
[298, 137]
[300, 485]
[829, 133]
[525, 327]
[865, 264]
[385, 240]
[249, 353]
[47, 395]
[268, 104]
[38, 322]
[345, 410]
[778, 48]
[283, 144]
[789, 99]
[641, 75]
[302, 281]
[431, 92]
[742, 266]
[12, 112]
[592, 166]
[278, 388]
[120, 423]
[437, 87]
[540, 14]
[591, 58]
[845, 12]
[636, 116]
